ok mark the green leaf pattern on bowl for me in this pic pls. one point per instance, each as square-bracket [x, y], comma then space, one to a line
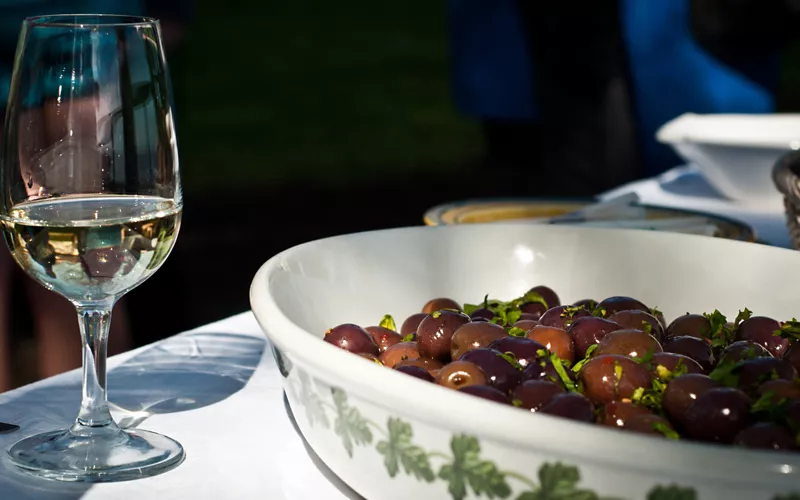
[461, 468]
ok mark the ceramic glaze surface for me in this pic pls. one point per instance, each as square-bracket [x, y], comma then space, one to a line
[390, 436]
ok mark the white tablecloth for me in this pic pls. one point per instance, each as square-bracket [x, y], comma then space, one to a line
[684, 187]
[220, 396]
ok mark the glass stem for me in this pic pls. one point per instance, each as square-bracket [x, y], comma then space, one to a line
[94, 323]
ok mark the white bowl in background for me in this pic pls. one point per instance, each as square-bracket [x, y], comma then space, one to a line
[393, 437]
[736, 153]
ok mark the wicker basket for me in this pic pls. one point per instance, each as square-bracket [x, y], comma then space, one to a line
[786, 176]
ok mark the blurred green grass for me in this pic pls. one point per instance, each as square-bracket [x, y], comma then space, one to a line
[329, 93]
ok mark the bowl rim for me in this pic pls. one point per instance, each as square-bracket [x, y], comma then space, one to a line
[679, 130]
[433, 404]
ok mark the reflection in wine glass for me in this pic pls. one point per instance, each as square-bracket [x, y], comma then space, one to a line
[91, 206]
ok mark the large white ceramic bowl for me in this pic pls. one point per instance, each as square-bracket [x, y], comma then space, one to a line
[393, 437]
[736, 153]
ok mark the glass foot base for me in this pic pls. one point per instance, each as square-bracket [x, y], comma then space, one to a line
[96, 455]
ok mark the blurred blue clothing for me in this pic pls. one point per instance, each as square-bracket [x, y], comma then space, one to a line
[492, 71]
[670, 73]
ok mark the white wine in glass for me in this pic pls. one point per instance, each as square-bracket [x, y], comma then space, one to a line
[91, 207]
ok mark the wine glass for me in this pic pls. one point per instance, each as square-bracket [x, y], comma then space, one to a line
[90, 208]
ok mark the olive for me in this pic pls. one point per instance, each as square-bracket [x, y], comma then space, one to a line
[631, 343]
[528, 317]
[618, 413]
[554, 340]
[639, 320]
[533, 394]
[743, 349]
[610, 377]
[549, 296]
[411, 323]
[460, 374]
[525, 350]
[371, 357]
[543, 369]
[562, 316]
[383, 337]
[435, 332]
[682, 391]
[780, 389]
[474, 335]
[649, 424]
[416, 371]
[479, 320]
[481, 312]
[689, 325]
[761, 330]
[587, 304]
[792, 355]
[351, 338]
[500, 373]
[526, 324]
[751, 373]
[535, 309]
[717, 415]
[440, 304]
[674, 364]
[570, 405]
[429, 364]
[588, 331]
[616, 304]
[399, 352]
[767, 436]
[697, 349]
[485, 392]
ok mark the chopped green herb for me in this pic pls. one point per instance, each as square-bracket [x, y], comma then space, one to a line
[765, 402]
[558, 364]
[655, 312]
[409, 338]
[388, 322]
[516, 332]
[651, 397]
[719, 334]
[773, 409]
[509, 356]
[664, 373]
[516, 402]
[579, 364]
[436, 314]
[513, 316]
[617, 371]
[743, 316]
[725, 373]
[789, 330]
[599, 311]
[647, 327]
[666, 430]
[571, 311]
[648, 356]
[470, 308]
[534, 297]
